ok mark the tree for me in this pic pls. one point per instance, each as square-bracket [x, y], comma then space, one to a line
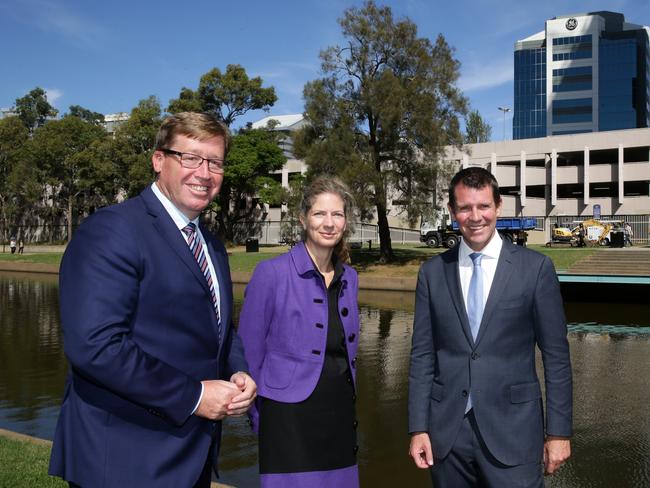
[60, 151]
[13, 135]
[380, 116]
[133, 145]
[85, 114]
[476, 128]
[254, 153]
[34, 109]
[226, 95]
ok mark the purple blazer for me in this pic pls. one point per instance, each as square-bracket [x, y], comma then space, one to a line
[283, 325]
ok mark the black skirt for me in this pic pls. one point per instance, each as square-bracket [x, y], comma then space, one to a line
[319, 433]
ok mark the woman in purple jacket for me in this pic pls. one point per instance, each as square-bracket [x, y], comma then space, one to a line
[300, 328]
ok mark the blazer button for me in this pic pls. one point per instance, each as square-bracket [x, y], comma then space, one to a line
[354, 362]
[475, 355]
[464, 393]
[320, 326]
[351, 337]
[355, 424]
[344, 311]
[356, 448]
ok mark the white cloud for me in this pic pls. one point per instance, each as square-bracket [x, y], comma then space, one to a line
[475, 76]
[53, 95]
[49, 16]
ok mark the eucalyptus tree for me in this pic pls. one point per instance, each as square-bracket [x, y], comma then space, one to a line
[382, 112]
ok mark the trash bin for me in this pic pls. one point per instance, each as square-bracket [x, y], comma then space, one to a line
[252, 245]
[618, 239]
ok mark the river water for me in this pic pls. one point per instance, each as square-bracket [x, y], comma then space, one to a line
[611, 367]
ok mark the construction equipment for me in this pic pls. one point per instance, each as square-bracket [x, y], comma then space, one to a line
[597, 232]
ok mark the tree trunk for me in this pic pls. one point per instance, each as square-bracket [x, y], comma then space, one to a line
[385, 246]
[69, 236]
[225, 222]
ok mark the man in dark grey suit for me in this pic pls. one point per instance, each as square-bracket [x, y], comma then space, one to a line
[475, 403]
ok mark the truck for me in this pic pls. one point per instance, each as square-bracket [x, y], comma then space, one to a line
[448, 235]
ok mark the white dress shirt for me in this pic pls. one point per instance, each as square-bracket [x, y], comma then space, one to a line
[488, 265]
[181, 220]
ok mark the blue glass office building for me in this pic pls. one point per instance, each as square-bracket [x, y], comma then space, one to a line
[583, 73]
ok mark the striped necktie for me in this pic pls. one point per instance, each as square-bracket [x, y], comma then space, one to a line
[196, 248]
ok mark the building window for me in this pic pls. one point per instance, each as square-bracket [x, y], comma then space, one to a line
[572, 79]
[572, 47]
[618, 76]
[572, 111]
[529, 94]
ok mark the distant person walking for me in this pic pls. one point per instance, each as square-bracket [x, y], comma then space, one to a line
[12, 244]
[21, 246]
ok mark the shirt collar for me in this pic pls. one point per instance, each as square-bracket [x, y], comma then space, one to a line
[179, 218]
[491, 250]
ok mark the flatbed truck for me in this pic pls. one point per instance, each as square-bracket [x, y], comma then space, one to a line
[512, 228]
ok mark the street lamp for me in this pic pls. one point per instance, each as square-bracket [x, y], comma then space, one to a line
[505, 110]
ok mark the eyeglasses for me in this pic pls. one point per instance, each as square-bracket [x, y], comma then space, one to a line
[193, 161]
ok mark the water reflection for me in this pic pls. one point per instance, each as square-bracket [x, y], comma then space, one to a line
[32, 365]
[612, 388]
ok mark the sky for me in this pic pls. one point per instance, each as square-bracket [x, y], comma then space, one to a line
[106, 56]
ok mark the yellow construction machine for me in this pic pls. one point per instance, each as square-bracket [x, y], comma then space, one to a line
[594, 232]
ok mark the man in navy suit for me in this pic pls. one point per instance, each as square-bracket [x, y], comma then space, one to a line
[475, 402]
[146, 312]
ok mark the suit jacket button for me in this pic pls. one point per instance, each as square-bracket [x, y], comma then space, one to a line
[355, 424]
[354, 362]
[356, 448]
[344, 311]
[475, 355]
[464, 393]
[351, 337]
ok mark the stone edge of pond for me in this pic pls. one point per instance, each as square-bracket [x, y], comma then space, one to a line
[29, 267]
[15, 436]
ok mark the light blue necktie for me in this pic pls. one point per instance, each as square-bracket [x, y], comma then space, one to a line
[475, 304]
[475, 295]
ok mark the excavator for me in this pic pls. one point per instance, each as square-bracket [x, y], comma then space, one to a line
[597, 232]
[590, 232]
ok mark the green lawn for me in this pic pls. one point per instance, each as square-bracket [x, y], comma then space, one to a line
[407, 258]
[23, 464]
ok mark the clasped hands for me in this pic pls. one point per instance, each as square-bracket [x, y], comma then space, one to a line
[227, 398]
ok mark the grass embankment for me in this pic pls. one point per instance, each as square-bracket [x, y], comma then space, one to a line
[408, 258]
[24, 464]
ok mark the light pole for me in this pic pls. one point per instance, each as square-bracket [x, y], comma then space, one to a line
[505, 110]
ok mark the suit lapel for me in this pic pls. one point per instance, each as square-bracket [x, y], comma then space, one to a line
[225, 288]
[499, 285]
[165, 226]
[452, 276]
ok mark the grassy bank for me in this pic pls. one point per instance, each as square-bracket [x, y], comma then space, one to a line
[408, 258]
[24, 464]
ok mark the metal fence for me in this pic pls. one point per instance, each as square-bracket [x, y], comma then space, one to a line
[275, 232]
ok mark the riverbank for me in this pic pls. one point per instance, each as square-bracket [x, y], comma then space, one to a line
[24, 461]
[401, 275]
